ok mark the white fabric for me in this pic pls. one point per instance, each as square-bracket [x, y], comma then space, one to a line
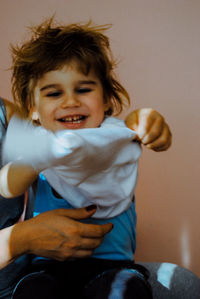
[36, 146]
[101, 170]
[29, 144]
[88, 166]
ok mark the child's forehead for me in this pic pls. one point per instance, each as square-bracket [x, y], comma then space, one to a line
[72, 66]
[72, 70]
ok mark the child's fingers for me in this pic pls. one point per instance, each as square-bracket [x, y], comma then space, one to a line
[154, 131]
[146, 118]
[140, 121]
[163, 142]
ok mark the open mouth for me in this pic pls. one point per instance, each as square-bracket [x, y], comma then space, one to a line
[75, 119]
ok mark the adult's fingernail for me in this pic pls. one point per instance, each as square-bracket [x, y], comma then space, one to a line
[91, 207]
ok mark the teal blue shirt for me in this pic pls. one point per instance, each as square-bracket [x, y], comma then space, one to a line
[119, 244]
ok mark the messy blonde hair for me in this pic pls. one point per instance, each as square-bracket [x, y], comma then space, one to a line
[51, 46]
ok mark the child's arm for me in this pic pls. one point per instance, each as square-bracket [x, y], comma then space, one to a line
[15, 178]
[151, 128]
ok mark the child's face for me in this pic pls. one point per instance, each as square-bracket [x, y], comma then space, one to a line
[68, 99]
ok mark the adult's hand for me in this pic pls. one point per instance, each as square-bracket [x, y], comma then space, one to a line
[58, 234]
[151, 128]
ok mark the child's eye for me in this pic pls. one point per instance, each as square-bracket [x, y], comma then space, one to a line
[54, 94]
[83, 90]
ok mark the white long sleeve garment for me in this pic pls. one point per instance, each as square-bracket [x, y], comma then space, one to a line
[101, 168]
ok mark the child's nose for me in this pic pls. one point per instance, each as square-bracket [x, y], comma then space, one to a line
[70, 101]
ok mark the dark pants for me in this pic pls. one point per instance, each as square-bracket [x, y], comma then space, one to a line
[87, 279]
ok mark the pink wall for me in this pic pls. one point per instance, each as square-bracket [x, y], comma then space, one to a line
[157, 43]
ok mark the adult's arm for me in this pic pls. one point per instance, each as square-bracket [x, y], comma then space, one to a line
[56, 234]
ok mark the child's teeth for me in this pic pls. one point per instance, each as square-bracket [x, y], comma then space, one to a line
[73, 119]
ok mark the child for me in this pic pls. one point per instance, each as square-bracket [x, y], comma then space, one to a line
[63, 79]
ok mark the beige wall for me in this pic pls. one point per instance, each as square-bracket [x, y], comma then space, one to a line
[158, 45]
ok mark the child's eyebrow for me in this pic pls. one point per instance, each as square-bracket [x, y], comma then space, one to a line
[87, 82]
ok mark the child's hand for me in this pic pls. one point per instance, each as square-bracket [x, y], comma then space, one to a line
[151, 128]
